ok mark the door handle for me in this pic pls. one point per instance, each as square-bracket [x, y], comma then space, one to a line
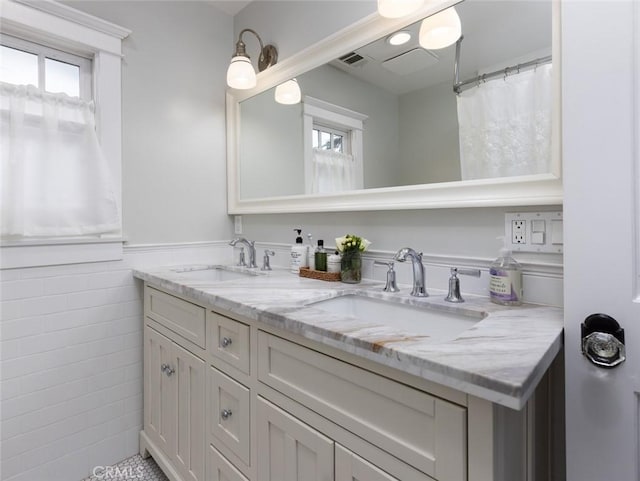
[603, 341]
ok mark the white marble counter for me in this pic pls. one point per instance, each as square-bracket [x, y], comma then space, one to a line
[501, 358]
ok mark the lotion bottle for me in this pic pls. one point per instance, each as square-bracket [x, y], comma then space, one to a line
[505, 285]
[298, 254]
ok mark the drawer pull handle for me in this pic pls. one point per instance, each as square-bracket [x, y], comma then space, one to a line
[168, 370]
[226, 413]
[226, 341]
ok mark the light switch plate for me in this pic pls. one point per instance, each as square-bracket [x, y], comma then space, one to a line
[538, 236]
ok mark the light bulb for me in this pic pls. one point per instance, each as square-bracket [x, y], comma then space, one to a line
[398, 8]
[288, 93]
[399, 38]
[241, 74]
[440, 30]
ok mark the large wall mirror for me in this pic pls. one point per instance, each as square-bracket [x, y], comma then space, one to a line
[384, 126]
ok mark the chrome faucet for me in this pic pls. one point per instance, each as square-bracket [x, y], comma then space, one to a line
[250, 247]
[419, 289]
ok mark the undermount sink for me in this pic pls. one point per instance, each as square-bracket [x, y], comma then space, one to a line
[429, 321]
[212, 273]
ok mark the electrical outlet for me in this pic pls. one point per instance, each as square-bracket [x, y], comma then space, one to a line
[518, 232]
[238, 224]
[534, 231]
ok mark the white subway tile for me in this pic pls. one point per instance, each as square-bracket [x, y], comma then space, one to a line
[39, 399]
[116, 278]
[10, 388]
[11, 310]
[43, 305]
[85, 299]
[12, 467]
[21, 289]
[17, 328]
[106, 379]
[10, 349]
[66, 284]
[10, 274]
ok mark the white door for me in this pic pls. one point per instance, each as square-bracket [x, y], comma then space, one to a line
[602, 224]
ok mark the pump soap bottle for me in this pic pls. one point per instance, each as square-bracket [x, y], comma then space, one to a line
[298, 254]
[505, 286]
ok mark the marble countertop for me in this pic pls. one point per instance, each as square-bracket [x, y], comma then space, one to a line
[501, 357]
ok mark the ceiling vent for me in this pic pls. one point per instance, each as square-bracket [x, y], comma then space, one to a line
[353, 59]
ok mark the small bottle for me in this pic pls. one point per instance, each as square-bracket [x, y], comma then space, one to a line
[333, 262]
[298, 254]
[311, 253]
[505, 286]
[321, 257]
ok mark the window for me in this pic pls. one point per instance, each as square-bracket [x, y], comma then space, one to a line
[47, 69]
[60, 102]
[327, 138]
[333, 147]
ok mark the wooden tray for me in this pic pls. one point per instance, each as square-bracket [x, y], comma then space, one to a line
[320, 275]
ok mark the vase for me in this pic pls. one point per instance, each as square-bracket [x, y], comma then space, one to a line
[351, 267]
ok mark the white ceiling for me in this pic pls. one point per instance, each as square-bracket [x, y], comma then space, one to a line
[496, 34]
[231, 7]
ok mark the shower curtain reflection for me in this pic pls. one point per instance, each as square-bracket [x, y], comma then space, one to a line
[505, 126]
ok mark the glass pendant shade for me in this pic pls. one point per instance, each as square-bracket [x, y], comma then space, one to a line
[241, 74]
[440, 30]
[398, 8]
[288, 93]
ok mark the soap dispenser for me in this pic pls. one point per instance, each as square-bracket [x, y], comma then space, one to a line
[505, 285]
[298, 254]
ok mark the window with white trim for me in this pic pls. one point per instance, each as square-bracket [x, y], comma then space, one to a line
[60, 120]
[49, 70]
[333, 147]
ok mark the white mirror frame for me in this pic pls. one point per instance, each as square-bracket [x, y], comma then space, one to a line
[542, 189]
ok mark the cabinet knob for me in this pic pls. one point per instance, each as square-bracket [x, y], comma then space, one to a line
[226, 341]
[226, 413]
[168, 370]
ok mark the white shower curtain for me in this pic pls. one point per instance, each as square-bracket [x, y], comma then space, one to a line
[54, 179]
[505, 126]
[332, 172]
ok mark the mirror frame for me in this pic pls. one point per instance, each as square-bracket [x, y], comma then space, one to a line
[541, 189]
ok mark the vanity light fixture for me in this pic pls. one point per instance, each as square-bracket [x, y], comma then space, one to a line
[288, 93]
[399, 38]
[440, 30]
[398, 8]
[241, 74]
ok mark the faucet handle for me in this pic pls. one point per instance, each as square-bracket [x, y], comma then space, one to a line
[391, 285]
[241, 260]
[266, 266]
[454, 283]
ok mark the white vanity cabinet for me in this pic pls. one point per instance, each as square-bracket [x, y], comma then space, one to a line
[174, 384]
[242, 401]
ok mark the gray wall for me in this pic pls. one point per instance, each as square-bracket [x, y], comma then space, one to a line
[271, 148]
[429, 141]
[470, 232]
[173, 88]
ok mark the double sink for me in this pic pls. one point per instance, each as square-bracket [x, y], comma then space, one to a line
[419, 317]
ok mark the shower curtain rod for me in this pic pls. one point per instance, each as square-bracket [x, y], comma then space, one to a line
[459, 86]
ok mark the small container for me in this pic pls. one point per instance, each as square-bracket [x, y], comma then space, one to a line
[321, 257]
[298, 254]
[333, 262]
[505, 285]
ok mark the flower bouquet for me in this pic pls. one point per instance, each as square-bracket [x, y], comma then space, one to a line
[351, 246]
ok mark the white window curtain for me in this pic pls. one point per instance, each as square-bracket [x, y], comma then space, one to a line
[55, 179]
[505, 126]
[332, 172]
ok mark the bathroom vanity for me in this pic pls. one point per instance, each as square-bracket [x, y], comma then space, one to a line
[262, 378]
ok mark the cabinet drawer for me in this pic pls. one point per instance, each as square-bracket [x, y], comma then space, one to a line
[229, 341]
[219, 469]
[182, 317]
[426, 432]
[229, 414]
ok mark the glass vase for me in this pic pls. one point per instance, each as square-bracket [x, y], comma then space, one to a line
[351, 267]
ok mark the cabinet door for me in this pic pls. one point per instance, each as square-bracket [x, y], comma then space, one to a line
[190, 442]
[159, 391]
[351, 467]
[289, 450]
